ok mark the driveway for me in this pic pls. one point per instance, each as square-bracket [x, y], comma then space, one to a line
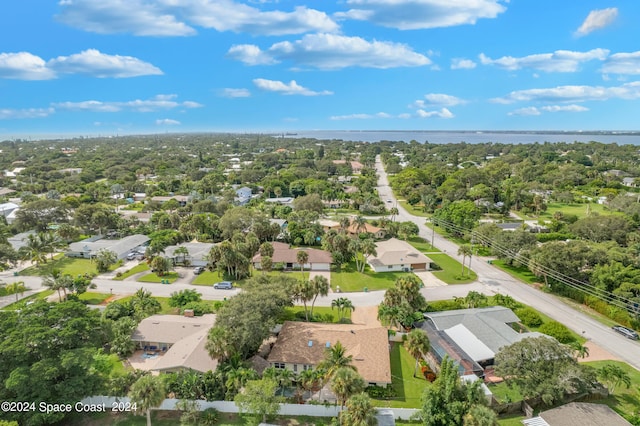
[428, 279]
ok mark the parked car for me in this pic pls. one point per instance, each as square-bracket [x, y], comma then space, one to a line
[223, 285]
[626, 332]
[132, 256]
[198, 270]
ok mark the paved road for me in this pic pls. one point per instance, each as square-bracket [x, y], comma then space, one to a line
[492, 280]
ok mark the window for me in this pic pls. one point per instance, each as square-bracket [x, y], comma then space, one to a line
[279, 365]
[390, 266]
[295, 368]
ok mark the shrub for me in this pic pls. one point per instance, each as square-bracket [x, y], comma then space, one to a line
[199, 308]
[445, 305]
[557, 330]
[529, 317]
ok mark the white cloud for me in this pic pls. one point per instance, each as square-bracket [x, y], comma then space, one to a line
[360, 116]
[525, 111]
[331, 51]
[462, 64]
[101, 65]
[250, 54]
[623, 63]
[421, 14]
[24, 66]
[14, 114]
[122, 16]
[597, 19]
[442, 113]
[235, 93]
[567, 108]
[558, 61]
[159, 102]
[437, 99]
[177, 17]
[573, 94]
[291, 88]
[167, 122]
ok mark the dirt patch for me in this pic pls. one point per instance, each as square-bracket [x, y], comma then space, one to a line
[596, 353]
[367, 315]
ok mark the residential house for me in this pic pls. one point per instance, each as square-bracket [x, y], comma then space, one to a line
[198, 253]
[318, 260]
[20, 240]
[578, 414]
[7, 208]
[512, 226]
[285, 201]
[335, 204]
[243, 195]
[178, 341]
[6, 191]
[356, 166]
[630, 182]
[302, 345]
[472, 337]
[181, 199]
[397, 255]
[367, 228]
[122, 247]
[328, 225]
[71, 171]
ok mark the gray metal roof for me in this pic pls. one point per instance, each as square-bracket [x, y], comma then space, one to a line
[119, 247]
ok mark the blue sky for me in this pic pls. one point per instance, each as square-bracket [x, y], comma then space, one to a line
[108, 67]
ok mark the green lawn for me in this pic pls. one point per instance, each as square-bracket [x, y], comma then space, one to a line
[624, 401]
[154, 278]
[578, 209]
[422, 245]
[522, 273]
[408, 389]
[503, 393]
[94, 298]
[135, 270]
[350, 280]
[452, 270]
[296, 313]
[511, 420]
[416, 211]
[206, 278]
[117, 367]
[68, 265]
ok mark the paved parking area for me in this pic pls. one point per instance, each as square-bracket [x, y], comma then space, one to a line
[428, 279]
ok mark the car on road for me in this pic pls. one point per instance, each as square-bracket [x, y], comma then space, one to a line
[198, 270]
[626, 332]
[223, 285]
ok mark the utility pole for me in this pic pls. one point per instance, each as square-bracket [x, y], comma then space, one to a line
[433, 232]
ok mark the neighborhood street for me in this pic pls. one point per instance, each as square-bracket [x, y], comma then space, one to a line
[492, 280]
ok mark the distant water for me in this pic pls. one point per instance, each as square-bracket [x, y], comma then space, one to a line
[471, 137]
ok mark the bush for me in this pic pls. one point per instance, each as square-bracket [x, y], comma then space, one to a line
[557, 330]
[378, 392]
[529, 317]
[199, 308]
[444, 305]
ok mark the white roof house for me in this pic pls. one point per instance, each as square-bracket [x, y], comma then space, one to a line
[479, 332]
[198, 252]
[90, 247]
[7, 208]
[397, 255]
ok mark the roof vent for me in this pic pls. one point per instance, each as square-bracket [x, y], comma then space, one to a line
[310, 343]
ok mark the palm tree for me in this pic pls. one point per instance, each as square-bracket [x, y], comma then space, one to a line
[54, 281]
[33, 250]
[465, 251]
[320, 286]
[335, 358]
[147, 392]
[359, 412]
[304, 292]
[182, 252]
[368, 248]
[346, 382]
[394, 212]
[302, 257]
[417, 344]
[389, 315]
[344, 223]
[361, 224]
[614, 376]
[475, 299]
[218, 344]
[342, 304]
[15, 288]
[579, 350]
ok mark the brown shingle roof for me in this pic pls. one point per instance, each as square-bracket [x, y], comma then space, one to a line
[283, 253]
[305, 343]
[170, 328]
[397, 252]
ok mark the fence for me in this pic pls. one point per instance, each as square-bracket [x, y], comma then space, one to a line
[230, 407]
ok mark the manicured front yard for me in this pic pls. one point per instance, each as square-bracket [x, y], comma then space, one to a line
[154, 278]
[452, 270]
[422, 245]
[408, 389]
[22, 302]
[135, 270]
[68, 265]
[94, 298]
[206, 278]
[296, 313]
[522, 272]
[349, 280]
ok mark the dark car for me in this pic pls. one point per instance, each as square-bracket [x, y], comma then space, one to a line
[223, 285]
[626, 332]
[198, 270]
